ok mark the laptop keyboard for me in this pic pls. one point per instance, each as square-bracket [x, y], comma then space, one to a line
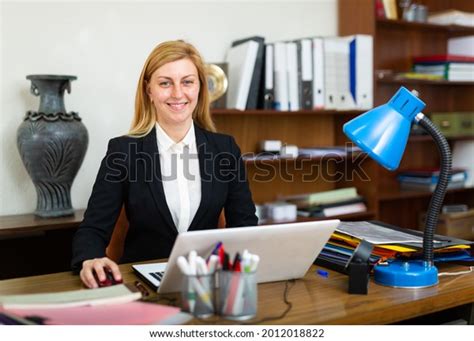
[157, 275]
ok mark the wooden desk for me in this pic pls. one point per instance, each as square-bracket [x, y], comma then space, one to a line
[31, 245]
[315, 299]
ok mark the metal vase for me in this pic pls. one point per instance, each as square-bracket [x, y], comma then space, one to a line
[52, 144]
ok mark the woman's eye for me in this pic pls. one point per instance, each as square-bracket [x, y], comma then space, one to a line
[165, 84]
[188, 82]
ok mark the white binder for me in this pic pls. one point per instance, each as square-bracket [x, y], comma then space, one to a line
[281, 77]
[305, 73]
[336, 73]
[269, 94]
[241, 63]
[318, 74]
[361, 71]
[293, 86]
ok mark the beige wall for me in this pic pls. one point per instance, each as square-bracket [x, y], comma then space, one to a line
[105, 44]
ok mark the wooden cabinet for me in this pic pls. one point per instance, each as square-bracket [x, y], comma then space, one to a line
[396, 42]
[270, 178]
[31, 245]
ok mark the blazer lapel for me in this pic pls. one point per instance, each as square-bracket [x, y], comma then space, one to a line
[150, 147]
[206, 154]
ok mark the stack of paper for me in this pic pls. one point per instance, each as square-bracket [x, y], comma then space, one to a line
[389, 243]
[107, 295]
[328, 203]
[108, 314]
[104, 306]
[452, 17]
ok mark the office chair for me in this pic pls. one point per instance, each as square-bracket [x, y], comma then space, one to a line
[114, 250]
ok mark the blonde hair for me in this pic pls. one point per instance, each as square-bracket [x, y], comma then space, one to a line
[145, 113]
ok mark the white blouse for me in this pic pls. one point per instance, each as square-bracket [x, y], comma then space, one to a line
[181, 177]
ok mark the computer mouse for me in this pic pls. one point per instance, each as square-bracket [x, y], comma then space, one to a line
[109, 280]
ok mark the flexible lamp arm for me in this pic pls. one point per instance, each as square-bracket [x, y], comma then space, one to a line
[438, 196]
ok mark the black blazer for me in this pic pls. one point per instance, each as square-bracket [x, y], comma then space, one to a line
[130, 175]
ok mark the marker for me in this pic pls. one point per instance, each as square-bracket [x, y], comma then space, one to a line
[221, 254]
[212, 265]
[185, 269]
[183, 265]
[201, 266]
[255, 259]
[192, 262]
[236, 264]
[246, 261]
[322, 273]
[226, 264]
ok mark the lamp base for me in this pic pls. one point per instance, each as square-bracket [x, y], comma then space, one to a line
[406, 274]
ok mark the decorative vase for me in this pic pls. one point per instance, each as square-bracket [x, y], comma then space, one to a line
[52, 145]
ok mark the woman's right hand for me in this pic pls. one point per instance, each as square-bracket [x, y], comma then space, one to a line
[98, 267]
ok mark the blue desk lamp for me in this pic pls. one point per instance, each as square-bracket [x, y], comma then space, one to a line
[383, 134]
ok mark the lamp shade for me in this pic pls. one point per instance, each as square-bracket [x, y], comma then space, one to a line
[383, 131]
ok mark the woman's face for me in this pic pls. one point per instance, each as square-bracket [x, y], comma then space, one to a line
[174, 91]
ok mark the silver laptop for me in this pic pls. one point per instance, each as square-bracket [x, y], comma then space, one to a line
[286, 251]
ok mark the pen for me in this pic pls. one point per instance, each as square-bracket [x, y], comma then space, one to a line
[141, 288]
[215, 251]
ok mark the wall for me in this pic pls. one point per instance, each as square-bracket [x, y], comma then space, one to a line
[105, 45]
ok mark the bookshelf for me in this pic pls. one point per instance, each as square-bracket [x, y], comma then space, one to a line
[401, 24]
[270, 178]
[266, 113]
[349, 217]
[395, 43]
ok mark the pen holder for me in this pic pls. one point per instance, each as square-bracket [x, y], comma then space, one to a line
[237, 295]
[197, 295]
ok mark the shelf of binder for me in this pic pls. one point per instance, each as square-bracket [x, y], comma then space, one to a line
[368, 215]
[235, 112]
[257, 159]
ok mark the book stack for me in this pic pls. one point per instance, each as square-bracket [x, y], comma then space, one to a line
[336, 151]
[390, 242]
[450, 67]
[426, 179]
[452, 17]
[328, 203]
[102, 306]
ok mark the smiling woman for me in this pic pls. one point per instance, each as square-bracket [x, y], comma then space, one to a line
[175, 66]
[172, 173]
[174, 89]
